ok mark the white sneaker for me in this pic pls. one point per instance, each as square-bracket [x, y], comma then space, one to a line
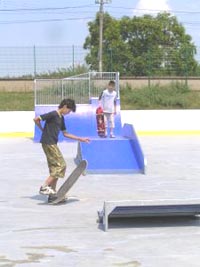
[46, 190]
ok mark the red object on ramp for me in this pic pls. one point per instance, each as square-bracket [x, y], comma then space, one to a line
[100, 122]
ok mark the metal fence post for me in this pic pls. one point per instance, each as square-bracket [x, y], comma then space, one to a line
[34, 61]
[89, 83]
[35, 93]
[73, 67]
[149, 68]
[62, 93]
[186, 69]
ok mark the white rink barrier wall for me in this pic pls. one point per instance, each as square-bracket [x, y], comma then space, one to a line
[145, 122]
[163, 122]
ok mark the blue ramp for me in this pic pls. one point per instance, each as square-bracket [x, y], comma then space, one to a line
[120, 155]
[110, 156]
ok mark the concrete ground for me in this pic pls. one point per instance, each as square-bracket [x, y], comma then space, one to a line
[33, 233]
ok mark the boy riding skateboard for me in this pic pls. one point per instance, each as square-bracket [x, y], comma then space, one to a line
[54, 123]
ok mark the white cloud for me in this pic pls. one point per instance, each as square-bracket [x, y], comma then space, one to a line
[151, 7]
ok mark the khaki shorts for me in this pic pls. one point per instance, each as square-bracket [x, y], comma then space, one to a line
[109, 120]
[55, 160]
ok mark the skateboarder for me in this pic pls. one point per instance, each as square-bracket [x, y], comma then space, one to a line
[54, 123]
[107, 100]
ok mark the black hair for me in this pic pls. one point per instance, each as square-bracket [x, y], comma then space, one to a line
[69, 103]
[112, 83]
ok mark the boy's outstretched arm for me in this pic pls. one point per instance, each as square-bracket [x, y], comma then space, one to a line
[77, 138]
[37, 121]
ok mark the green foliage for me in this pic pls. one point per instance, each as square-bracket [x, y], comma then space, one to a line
[12, 101]
[59, 73]
[174, 96]
[64, 72]
[142, 46]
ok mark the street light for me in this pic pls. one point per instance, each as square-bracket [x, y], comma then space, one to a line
[101, 3]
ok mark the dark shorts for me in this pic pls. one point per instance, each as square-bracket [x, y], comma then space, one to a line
[55, 160]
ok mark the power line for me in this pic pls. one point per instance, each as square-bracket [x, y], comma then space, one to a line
[92, 5]
[74, 10]
[44, 8]
[43, 20]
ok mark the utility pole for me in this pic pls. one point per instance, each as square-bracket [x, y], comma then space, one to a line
[101, 3]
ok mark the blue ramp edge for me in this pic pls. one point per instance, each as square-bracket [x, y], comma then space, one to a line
[128, 131]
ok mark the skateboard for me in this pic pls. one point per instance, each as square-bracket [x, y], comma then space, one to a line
[100, 122]
[66, 186]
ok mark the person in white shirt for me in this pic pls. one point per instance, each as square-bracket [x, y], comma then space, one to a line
[107, 100]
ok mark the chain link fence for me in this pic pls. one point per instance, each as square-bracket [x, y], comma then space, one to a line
[30, 62]
[35, 62]
[40, 62]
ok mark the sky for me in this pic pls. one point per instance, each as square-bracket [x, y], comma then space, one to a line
[65, 22]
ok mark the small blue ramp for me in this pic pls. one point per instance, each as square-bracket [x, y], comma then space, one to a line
[120, 155]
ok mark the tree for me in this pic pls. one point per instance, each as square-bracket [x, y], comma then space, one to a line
[142, 46]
